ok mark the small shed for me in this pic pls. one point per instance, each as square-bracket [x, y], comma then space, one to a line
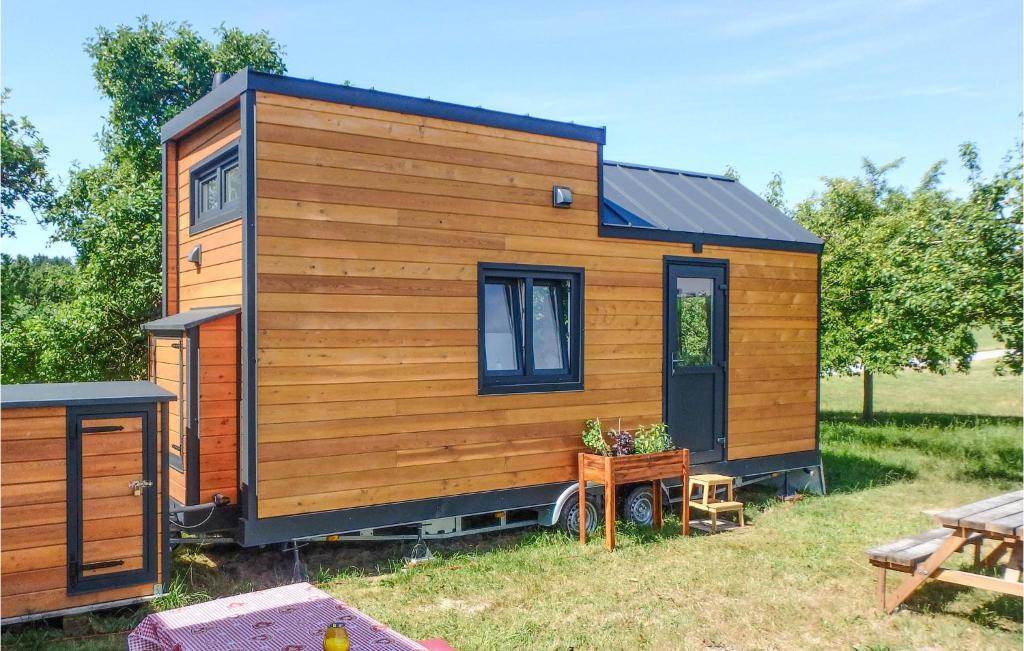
[84, 492]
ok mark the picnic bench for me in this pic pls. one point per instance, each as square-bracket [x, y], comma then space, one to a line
[998, 519]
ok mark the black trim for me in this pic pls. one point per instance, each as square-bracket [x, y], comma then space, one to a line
[163, 227]
[165, 503]
[247, 80]
[247, 421]
[78, 584]
[817, 409]
[530, 381]
[719, 263]
[214, 164]
[82, 394]
[193, 467]
[700, 239]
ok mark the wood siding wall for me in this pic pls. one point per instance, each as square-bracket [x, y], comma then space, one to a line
[218, 409]
[33, 514]
[218, 280]
[370, 225]
[170, 371]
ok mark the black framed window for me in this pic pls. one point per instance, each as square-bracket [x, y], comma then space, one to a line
[531, 328]
[216, 190]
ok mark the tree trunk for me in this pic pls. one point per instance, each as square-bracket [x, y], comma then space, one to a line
[868, 413]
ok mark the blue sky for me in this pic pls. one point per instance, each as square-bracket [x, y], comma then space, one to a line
[804, 88]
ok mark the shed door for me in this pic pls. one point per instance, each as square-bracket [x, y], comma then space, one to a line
[111, 499]
[695, 337]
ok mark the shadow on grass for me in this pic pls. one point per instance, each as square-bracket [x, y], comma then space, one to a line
[846, 472]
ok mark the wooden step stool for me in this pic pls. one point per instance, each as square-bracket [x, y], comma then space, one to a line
[708, 501]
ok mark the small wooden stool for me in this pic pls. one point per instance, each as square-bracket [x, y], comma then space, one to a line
[710, 504]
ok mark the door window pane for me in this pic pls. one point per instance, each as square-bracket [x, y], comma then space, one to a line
[694, 298]
[550, 316]
[500, 344]
[232, 184]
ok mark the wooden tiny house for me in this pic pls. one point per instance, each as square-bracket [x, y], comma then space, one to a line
[83, 496]
[428, 300]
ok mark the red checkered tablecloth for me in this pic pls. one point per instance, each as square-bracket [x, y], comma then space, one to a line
[289, 618]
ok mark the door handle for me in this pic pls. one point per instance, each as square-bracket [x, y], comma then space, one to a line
[85, 567]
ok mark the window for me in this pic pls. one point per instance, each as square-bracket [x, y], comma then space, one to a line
[694, 304]
[531, 330]
[216, 190]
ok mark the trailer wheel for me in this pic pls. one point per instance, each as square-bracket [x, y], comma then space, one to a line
[569, 518]
[638, 507]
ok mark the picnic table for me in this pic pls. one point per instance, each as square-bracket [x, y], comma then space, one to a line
[290, 618]
[997, 519]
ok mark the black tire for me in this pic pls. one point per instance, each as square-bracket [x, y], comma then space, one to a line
[569, 518]
[638, 507]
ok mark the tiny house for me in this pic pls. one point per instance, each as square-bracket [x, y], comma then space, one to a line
[384, 310]
[83, 496]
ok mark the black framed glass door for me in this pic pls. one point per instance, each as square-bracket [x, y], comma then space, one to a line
[695, 357]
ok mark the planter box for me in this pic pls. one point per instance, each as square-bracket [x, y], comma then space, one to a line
[631, 469]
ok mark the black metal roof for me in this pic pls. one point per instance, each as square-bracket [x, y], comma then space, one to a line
[81, 393]
[178, 323]
[655, 203]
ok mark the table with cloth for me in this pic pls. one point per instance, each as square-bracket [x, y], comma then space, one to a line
[289, 618]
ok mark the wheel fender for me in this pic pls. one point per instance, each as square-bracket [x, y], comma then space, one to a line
[550, 518]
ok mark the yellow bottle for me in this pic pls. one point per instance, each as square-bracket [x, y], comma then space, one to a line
[336, 637]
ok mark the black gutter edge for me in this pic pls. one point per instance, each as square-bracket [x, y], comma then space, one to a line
[193, 467]
[251, 80]
[817, 410]
[247, 371]
[700, 239]
[210, 103]
[165, 504]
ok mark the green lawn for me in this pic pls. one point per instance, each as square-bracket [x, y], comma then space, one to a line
[796, 578]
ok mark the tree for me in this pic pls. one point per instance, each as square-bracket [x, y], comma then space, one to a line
[908, 276]
[774, 195]
[23, 175]
[110, 212]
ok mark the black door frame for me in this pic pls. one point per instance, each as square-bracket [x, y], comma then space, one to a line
[78, 584]
[666, 354]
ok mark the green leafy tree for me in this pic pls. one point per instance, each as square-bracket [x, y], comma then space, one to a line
[908, 276]
[110, 212]
[23, 175]
[774, 195]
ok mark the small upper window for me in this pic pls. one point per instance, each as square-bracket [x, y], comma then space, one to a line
[530, 328]
[216, 190]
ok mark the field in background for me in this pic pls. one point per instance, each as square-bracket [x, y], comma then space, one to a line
[797, 578]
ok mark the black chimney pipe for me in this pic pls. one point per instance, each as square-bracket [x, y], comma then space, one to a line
[219, 78]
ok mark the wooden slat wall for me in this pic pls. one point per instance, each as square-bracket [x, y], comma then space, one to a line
[369, 228]
[218, 409]
[218, 280]
[33, 515]
[166, 375]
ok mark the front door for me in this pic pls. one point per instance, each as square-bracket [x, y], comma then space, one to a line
[111, 498]
[695, 357]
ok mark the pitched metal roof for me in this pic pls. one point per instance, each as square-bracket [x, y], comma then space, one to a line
[177, 323]
[81, 393]
[658, 203]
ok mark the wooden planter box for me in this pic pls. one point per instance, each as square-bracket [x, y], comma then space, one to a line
[630, 469]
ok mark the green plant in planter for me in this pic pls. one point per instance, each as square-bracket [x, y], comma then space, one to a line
[652, 438]
[593, 437]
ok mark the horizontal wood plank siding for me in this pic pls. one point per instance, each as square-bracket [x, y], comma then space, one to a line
[218, 281]
[218, 409]
[370, 226]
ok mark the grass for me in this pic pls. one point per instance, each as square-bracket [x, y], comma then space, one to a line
[796, 578]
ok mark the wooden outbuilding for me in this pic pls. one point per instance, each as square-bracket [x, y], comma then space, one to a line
[82, 496]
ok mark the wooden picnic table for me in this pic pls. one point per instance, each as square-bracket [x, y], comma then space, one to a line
[998, 519]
